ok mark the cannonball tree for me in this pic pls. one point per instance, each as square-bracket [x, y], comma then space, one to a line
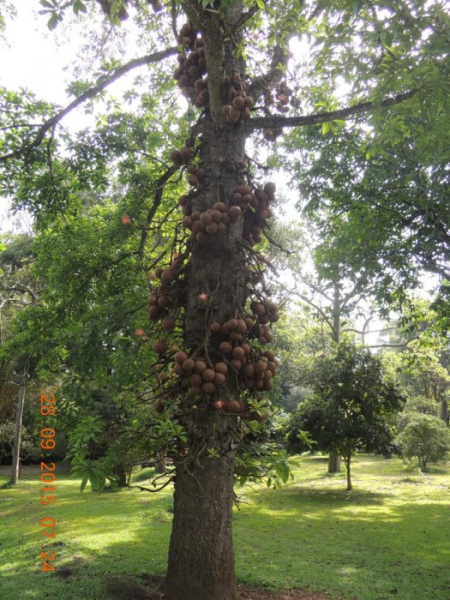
[248, 70]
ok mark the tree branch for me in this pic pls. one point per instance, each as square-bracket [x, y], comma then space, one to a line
[246, 17]
[278, 122]
[88, 94]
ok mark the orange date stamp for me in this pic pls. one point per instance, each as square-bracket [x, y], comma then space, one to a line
[47, 480]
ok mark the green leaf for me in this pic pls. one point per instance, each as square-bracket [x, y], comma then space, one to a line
[78, 7]
[52, 22]
[84, 481]
[260, 4]
[326, 127]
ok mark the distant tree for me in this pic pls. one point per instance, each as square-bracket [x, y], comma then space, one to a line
[426, 437]
[349, 409]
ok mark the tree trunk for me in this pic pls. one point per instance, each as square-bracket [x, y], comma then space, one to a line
[444, 412]
[201, 558]
[334, 463]
[160, 463]
[121, 474]
[349, 478]
[15, 471]
[334, 460]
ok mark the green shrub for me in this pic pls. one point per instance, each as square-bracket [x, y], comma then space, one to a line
[427, 438]
[144, 475]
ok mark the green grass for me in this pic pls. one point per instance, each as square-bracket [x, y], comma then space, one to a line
[389, 538]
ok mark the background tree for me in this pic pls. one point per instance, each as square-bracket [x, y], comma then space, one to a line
[349, 409]
[427, 438]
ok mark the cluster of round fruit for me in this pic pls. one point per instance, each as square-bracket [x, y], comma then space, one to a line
[256, 373]
[240, 103]
[195, 174]
[192, 67]
[266, 311]
[284, 98]
[181, 157]
[187, 36]
[256, 210]
[205, 226]
[271, 134]
[163, 298]
[236, 407]
[203, 379]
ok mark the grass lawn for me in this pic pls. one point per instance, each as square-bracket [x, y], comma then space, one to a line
[389, 538]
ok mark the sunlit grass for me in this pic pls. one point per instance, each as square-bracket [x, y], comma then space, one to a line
[388, 538]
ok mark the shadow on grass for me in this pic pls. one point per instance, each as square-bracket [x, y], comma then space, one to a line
[361, 544]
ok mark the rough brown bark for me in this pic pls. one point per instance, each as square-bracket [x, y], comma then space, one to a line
[334, 463]
[201, 558]
[15, 471]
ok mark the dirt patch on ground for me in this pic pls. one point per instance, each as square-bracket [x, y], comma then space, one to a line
[155, 591]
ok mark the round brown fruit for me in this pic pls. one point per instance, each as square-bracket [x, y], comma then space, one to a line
[205, 219]
[159, 407]
[233, 407]
[225, 348]
[234, 114]
[180, 357]
[238, 353]
[220, 206]
[208, 375]
[216, 216]
[188, 365]
[248, 101]
[208, 388]
[246, 348]
[216, 327]
[193, 180]
[260, 366]
[175, 157]
[167, 276]
[258, 308]
[219, 379]
[236, 364]
[178, 370]
[221, 367]
[163, 301]
[250, 323]
[200, 366]
[196, 380]
[270, 188]
[160, 347]
[234, 212]
[168, 323]
[238, 102]
[235, 336]
[154, 312]
[249, 370]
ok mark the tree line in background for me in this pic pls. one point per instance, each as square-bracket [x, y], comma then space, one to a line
[167, 210]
